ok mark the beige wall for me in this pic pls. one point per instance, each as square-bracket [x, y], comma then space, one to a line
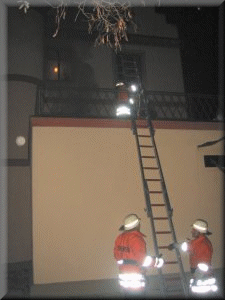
[85, 180]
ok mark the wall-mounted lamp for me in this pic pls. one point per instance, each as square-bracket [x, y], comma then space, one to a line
[55, 69]
[20, 141]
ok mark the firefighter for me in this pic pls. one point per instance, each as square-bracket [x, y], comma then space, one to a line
[200, 256]
[131, 256]
[124, 107]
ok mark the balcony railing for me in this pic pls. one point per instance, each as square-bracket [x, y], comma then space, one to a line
[64, 100]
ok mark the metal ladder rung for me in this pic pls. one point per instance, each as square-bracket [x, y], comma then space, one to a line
[147, 146]
[180, 291]
[172, 278]
[161, 191]
[150, 168]
[129, 69]
[143, 135]
[153, 179]
[170, 262]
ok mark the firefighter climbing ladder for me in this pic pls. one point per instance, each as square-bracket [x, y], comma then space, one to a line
[158, 206]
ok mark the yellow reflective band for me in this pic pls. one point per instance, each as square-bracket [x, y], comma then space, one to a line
[184, 246]
[200, 289]
[203, 267]
[160, 263]
[123, 110]
[131, 276]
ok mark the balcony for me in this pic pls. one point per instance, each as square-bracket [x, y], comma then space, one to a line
[62, 99]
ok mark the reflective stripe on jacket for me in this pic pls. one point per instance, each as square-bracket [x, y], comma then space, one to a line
[200, 251]
[130, 245]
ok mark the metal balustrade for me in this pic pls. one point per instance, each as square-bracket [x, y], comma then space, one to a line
[61, 99]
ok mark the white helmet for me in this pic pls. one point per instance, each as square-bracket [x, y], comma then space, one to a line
[201, 226]
[130, 222]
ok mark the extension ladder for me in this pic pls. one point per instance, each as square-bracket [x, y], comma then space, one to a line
[158, 207]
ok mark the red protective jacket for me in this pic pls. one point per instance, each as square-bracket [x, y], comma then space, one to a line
[123, 95]
[130, 245]
[200, 251]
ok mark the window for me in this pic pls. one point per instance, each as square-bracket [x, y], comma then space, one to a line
[212, 161]
[128, 68]
[57, 67]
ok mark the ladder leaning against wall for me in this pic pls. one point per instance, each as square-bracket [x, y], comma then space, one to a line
[158, 207]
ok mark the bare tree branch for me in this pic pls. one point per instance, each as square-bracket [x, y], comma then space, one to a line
[109, 18]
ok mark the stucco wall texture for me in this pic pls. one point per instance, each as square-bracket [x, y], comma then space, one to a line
[86, 179]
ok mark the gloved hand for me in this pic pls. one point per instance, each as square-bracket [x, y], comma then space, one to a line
[159, 261]
[172, 246]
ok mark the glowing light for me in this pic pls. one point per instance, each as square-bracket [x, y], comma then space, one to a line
[120, 84]
[131, 101]
[131, 276]
[211, 281]
[214, 288]
[133, 88]
[56, 69]
[200, 289]
[204, 286]
[203, 267]
[123, 111]
[131, 284]
[160, 263]
[184, 246]
[120, 262]
[131, 280]
[20, 141]
[147, 261]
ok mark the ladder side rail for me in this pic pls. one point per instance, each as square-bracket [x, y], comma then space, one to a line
[145, 186]
[148, 205]
[167, 202]
[152, 132]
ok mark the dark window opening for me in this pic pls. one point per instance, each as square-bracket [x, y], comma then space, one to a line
[57, 66]
[128, 68]
[213, 161]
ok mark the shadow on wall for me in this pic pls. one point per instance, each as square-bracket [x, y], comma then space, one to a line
[82, 74]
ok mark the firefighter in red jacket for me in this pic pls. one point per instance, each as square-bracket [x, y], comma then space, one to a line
[131, 255]
[200, 256]
[124, 107]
